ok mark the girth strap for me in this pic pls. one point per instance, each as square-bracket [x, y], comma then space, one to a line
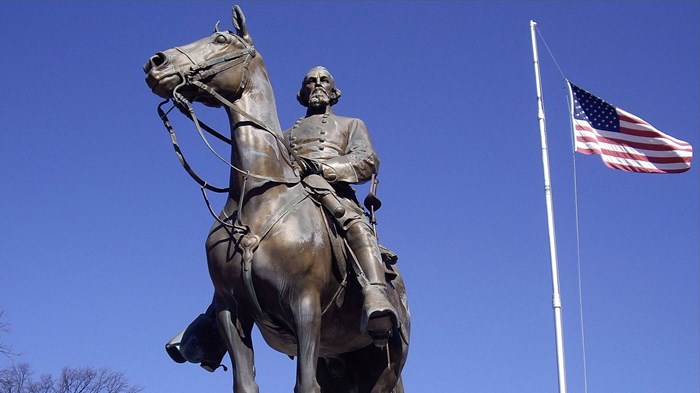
[249, 242]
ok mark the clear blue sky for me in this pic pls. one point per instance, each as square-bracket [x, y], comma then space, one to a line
[102, 235]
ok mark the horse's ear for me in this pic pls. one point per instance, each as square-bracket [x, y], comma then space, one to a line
[239, 23]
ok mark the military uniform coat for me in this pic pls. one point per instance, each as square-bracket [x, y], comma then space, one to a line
[340, 144]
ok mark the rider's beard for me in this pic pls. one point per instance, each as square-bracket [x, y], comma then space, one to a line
[318, 98]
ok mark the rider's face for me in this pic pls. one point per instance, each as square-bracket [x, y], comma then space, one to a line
[319, 86]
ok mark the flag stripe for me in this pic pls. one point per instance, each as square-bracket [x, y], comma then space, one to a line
[588, 134]
[623, 140]
[634, 124]
[633, 165]
[610, 148]
[601, 149]
[585, 148]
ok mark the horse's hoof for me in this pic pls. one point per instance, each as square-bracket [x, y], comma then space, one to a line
[172, 347]
[174, 353]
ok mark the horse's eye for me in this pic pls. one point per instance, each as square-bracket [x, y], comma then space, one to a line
[221, 39]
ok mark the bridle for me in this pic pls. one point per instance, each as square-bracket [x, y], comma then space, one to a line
[205, 69]
[197, 73]
[195, 76]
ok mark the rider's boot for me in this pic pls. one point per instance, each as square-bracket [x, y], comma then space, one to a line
[379, 315]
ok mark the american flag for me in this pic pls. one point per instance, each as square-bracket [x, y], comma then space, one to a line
[623, 140]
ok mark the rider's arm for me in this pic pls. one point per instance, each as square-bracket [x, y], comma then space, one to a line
[359, 161]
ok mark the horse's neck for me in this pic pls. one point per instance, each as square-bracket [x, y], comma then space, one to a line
[254, 149]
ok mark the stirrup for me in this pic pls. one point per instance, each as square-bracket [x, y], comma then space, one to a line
[380, 328]
[379, 316]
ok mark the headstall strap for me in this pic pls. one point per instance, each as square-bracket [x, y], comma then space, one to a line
[196, 74]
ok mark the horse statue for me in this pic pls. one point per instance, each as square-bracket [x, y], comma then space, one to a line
[274, 256]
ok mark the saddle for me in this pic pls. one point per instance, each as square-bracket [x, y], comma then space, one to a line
[324, 195]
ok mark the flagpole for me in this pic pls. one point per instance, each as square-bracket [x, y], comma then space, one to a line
[556, 298]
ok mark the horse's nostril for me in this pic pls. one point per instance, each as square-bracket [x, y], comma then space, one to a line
[159, 59]
[156, 60]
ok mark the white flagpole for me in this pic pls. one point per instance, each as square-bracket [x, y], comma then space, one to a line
[556, 298]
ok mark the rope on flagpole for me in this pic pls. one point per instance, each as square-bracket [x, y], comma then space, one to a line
[550, 52]
[578, 251]
[578, 237]
[580, 291]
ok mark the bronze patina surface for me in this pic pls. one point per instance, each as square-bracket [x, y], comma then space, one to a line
[277, 251]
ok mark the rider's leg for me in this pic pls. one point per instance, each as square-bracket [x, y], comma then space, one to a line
[379, 314]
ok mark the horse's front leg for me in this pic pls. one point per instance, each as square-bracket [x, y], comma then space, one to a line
[235, 325]
[307, 318]
[236, 332]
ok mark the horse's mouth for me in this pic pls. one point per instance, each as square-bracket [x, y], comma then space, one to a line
[163, 84]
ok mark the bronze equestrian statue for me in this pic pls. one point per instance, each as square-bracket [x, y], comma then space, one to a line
[292, 251]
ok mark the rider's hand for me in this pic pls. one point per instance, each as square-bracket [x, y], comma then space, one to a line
[309, 166]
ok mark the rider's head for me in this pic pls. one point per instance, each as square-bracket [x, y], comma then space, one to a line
[318, 89]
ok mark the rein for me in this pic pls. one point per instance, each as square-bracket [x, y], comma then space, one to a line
[181, 157]
[197, 73]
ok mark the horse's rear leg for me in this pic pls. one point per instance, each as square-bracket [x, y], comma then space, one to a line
[307, 318]
[236, 332]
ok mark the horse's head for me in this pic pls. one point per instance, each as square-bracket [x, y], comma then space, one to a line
[220, 61]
